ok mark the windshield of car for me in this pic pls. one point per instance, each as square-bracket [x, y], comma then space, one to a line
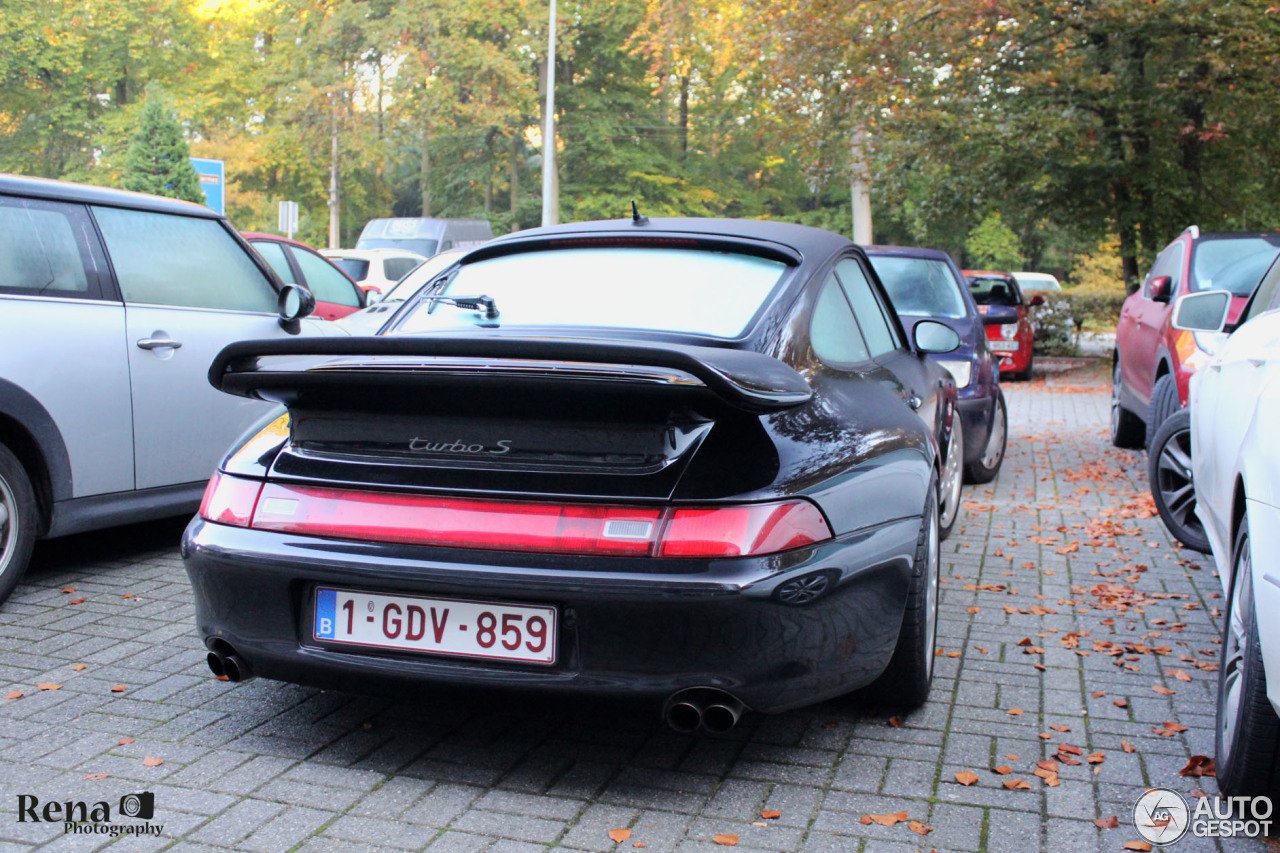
[920, 286]
[354, 267]
[1037, 281]
[1235, 264]
[423, 247]
[627, 287]
[994, 290]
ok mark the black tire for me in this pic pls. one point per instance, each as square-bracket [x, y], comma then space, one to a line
[951, 489]
[985, 468]
[1172, 480]
[905, 682]
[1164, 402]
[1248, 732]
[1024, 375]
[17, 522]
[1127, 429]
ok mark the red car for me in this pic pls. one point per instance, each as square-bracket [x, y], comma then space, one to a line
[1012, 343]
[297, 263]
[1153, 361]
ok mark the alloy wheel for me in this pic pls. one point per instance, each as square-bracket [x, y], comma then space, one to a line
[1235, 654]
[932, 559]
[1175, 480]
[952, 476]
[8, 525]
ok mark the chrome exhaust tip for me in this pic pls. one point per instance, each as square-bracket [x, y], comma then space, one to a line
[722, 715]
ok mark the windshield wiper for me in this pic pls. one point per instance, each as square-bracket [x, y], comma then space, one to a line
[471, 303]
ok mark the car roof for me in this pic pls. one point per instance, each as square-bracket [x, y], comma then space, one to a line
[274, 238]
[802, 239]
[85, 194]
[907, 252]
[370, 254]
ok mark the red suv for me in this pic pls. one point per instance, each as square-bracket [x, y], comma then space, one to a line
[1154, 361]
[1011, 342]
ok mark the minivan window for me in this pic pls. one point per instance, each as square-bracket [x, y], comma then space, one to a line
[690, 291]
[423, 247]
[211, 271]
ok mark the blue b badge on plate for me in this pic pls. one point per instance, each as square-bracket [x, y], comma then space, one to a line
[326, 613]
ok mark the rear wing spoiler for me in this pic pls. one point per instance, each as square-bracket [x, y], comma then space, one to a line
[286, 371]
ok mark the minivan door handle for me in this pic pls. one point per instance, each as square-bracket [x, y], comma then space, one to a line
[159, 343]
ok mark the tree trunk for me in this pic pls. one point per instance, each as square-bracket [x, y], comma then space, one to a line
[335, 220]
[489, 164]
[684, 117]
[513, 176]
[860, 189]
[424, 175]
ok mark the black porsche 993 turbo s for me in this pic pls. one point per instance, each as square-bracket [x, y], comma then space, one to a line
[690, 460]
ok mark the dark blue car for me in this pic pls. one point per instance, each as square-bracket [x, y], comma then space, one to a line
[927, 284]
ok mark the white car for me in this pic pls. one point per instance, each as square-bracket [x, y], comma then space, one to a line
[1037, 281]
[1232, 480]
[368, 321]
[374, 269]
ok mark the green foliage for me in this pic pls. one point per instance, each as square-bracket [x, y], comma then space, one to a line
[158, 161]
[992, 245]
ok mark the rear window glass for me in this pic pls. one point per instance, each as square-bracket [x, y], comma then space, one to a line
[920, 286]
[354, 267]
[1235, 264]
[394, 269]
[690, 291]
[993, 290]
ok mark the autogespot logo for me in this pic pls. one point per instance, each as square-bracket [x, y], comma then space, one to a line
[1162, 816]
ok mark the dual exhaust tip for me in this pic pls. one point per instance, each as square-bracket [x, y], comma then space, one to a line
[225, 663]
[706, 708]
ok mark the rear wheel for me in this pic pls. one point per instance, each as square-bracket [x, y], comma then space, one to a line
[1164, 402]
[905, 683]
[1127, 430]
[1248, 736]
[985, 468]
[1024, 375]
[17, 521]
[952, 479]
[1172, 479]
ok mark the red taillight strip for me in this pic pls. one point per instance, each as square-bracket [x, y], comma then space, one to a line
[594, 529]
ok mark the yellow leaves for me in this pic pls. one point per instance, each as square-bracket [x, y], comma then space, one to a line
[1199, 765]
[1017, 784]
[1141, 846]
[726, 840]
[1163, 691]
[619, 835]
[119, 688]
[150, 761]
[965, 777]
[47, 685]
[14, 694]
[885, 819]
[80, 667]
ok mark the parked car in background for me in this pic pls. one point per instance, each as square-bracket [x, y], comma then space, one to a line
[369, 320]
[1012, 343]
[112, 307]
[1153, 361]
[667, 461]
[1219, 461]
[424, 236]
[1037, 281]
[375, 270]
[927, 284]
[297, 263]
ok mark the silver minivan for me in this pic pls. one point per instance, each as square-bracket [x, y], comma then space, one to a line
[112, 307]
[427, 237]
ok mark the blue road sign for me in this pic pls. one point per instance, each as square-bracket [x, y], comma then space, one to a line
[213, 181]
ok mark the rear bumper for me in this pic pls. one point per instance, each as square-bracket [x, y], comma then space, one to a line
[645, 633]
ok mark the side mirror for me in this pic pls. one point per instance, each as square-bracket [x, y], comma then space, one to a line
[1159, 289]
[1036, 301]
[999, 315]
[1202, 312]
[930, 336]
[294, 303]
[372, 296]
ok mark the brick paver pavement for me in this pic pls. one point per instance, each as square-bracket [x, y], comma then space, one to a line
[1036, 560]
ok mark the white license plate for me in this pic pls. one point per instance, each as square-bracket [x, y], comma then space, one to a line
[1003, 346]
[443, 626]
